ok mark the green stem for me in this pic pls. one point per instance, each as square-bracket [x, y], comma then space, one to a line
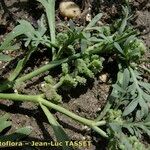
[49, 6]
[19, 97]
[99, 49]
[57, 85]
[51, 65]
[50, 13]
[105, 110]
[40, 100]
[57, 128]
[21, 65]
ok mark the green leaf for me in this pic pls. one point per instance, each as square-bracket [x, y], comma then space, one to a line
[126, 78]
[129, 39]
[4, 123]
[146, 97]
[118, 48]
[94, 20]
[41, 25]
[145, 129]
[21, 65]
[4, 117]
[145, 85]
[23, 28]
[118, 88]
[5, 58]
[124, 21]
[115, 127]
[130, 107]
[17, 135]
[50, 13]
[83, 69]
[144, 107]
[129, 129]
[59, 131]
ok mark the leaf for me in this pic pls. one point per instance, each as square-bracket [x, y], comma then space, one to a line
[118, 88]
[118, 48]
[129, 39]
[41, 26]
[144, 106]
[145, 85]
[23, 28]
[94, 20]
[146, 97]
[21, 65]
[130, 107]
[129, 129]
[17, 135]
[115, 127]
[59, 131]
[4, 117]
[132, 88]
[4, 123]
[147, 118]
[124, 21]
[126, 78]
[5, 58]
[50, 13]
[145, 129]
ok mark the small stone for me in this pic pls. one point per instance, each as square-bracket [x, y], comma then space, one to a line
[104, 77]
[88, 18]
[16, 91]
[69, 9]
[3, 67]
[46, 62]
[43, 84]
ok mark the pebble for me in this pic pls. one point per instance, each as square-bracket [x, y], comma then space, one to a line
[69, 9]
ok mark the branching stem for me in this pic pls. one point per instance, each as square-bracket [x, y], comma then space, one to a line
[40, 100]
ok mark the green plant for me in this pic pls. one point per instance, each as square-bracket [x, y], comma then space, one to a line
[17, 135]
[78, 50]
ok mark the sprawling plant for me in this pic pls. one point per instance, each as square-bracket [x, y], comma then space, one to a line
[79, 51]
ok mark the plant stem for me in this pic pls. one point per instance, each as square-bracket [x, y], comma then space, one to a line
[50, 12]
[49, 6]
[57, 128]
[39, 99]
[56, 63]
[51, 65]
[104, 111]
[21, 64]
